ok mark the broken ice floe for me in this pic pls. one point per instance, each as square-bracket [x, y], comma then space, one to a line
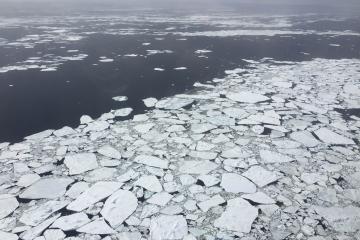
[251, 160]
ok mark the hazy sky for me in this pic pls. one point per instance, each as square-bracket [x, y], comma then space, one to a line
[333, 6]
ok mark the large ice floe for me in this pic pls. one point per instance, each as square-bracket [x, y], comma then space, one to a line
[250, 159]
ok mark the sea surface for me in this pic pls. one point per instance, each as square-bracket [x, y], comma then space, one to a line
[54, 69]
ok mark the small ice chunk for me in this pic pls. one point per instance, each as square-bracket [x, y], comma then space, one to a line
[28, 179]
[109, 152]
[331, 137]
[305, 137]
[236, 183]
[197, 167]
[97, 227]
[65, 131]
[47, 188]
[341, 219]
[152, 161]
[202, 127]
[85, 119]
[247, 97]
[94, 194]
[8, 236]
[144, 128]
[260, 176]
[180, 68]
[34, 232]
[238, 216]
[106, 60]
[118, 207]
[8, 205]
[71, 222]
[40, 135]
[168, 227]
[38, 213]
[160, 199]
[80, 163]
[212, 202]
[150, 102]
[123, 112]
[259, 197]
[274, 157]
[120, 98]
[150, 183]
[159, 69]
[174, 103]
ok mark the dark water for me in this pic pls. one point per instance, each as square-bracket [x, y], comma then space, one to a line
[37, 101]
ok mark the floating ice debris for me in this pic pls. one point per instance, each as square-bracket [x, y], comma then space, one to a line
[80, 163]
[8, 205]
[150, 102]
[247, 97]
[202, 128]
[238, 216]
[94, 194]
[180, 68]
[150, 183]
[97, 227]
[96, 126]
[311, 178]
[71, 222]
[159, 69]
[236, 152]
[110, 152]
[202, 51]
[146, 44]
[144, 128]
[168, 227]
[47, 188]
[131, 55]
[49, 69]
[160, 199]
[27, 180]
[305, 137]
[8, 236]
[65, 131]
[260, 176]
[40, 135]
[120, 98]
[154, 52]
[341, 219]
[34, 232]
[151, 161]
[197, 167]
[259, 197]
[123, 112]
[212, 202]
[274, 157]
[235, 183]
[118, 207]
[85, 119]
[334, 45]
[330, 137]
[236, 113]
[106, 60]
[174, 103]
[37, 214]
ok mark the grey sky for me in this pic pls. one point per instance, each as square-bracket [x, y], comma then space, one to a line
[333, 6]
